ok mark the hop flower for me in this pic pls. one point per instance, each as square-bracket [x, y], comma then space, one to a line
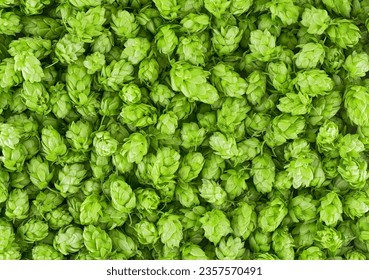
[316, 20]
[343, 33]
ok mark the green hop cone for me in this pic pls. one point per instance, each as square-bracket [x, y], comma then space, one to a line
[130, 93]
[147, 201]
[135, 50]
[283, 127]
[334, 59]
[46, 201]
[327, 136]
[35, 97]
[60, 102]
[303, 208]
[330, 210]
[194, 48]
[7, 234]
[150, 18]
[217, 7]
[310, 56]
[124, 24]
[247, 150]
[265, 256]
[33, 230]
[226, 39]
[123, 243]
[68, 240]
[103, 43]
[10, 23]
[313, 82]
[213, 167]
[355, 255]
[166, 39]
[230, 248]
[70, 178]
[195, 23]
[223, 145]
[239, 7]
[149, 70]
[262, 45]
[68, 49]
[244, 220]
[315, 20]
[138, 115]
[170, 230]
[17, 204]
[284, 10]
[187, 78]
[304, 234]
[9, 76]
[344, 33]
[272, 215]
[94, 62]
[263, 172]
[280, 76]
[227, 122]
[79, 135]
[167, 123]
[234, 182]
[216, 225]
[123, 198]
[90, 210]
[59, 217]
[191, 251]
[45, 27]
[191, 166]
[355, 204]
[228, 81]
[192, 135]
[104, 144]
[111, 218]
[356, 64]
[312, 253]
[187, 194]
[350, 146]
[113, 76]
[341, 7]
[330, 239]
[146, 232]
[13, 159]
[100, 165]
[46, 252]
[97, 242]
[354, 171]
[161, 94]
[87, 25]
[12, 252]
[53, 144]
[356, 101]
[135, 147]
[325, 107]
[260, 241]
[168, 10]
[40, 172]
[213, 193]
[361, 229]
[283, 244]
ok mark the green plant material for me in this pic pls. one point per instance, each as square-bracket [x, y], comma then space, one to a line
[184, 129]
[216, 225]
[271, 216]
[68, 240]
